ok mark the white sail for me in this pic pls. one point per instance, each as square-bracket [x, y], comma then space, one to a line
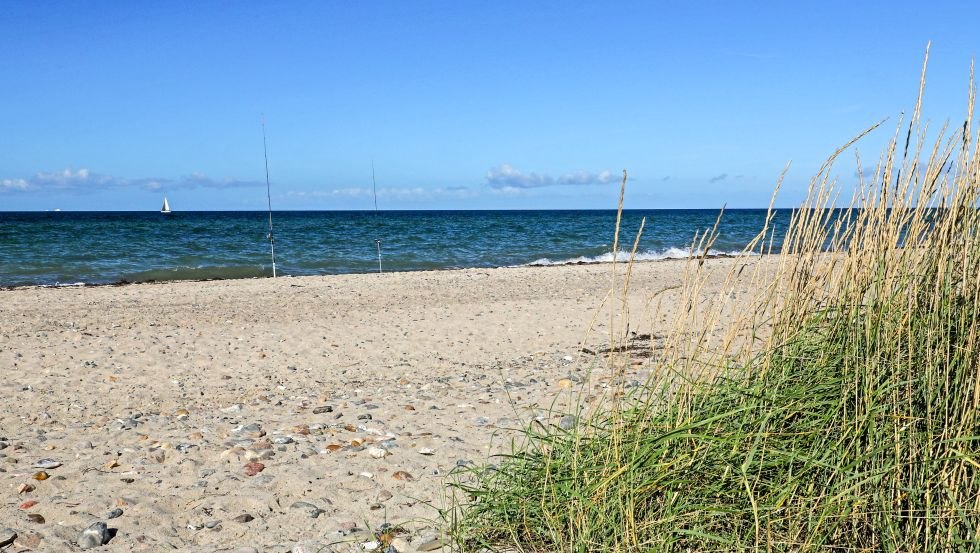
[166, 206]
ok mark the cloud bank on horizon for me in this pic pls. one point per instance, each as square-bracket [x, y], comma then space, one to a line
[83, 179]
[506, 176]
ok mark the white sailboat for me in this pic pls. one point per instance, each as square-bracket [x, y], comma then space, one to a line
[166, 207]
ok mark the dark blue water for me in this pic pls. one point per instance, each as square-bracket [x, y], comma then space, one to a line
[52, 248]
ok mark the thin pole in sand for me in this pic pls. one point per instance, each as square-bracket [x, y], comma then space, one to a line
[268, 196]
[377, 216]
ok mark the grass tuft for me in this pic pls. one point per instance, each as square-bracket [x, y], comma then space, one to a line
[836, 411]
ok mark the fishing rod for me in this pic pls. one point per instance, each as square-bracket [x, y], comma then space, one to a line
[268, 196]
[377, 216]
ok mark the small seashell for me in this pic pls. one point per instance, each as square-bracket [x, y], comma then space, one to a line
[40, 475]
[47, 463]
[28, 504]
[402, 475]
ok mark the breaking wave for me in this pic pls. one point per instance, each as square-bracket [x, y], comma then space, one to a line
[669, 253]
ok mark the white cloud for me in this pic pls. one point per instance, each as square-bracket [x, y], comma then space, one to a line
[84, 179]
[505, 176]
[14, 184]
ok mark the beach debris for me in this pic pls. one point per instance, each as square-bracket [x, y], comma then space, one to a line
[35, 518]
[115, 513]
[97, 534]
[27, 504]
[25, 488]
[426, 451]
[7, 536]
[47, 464]
[40, 475]
[253, 468]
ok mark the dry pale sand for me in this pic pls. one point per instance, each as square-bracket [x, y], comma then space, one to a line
[356, 395]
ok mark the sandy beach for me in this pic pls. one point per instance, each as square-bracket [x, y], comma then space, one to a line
[285, 414]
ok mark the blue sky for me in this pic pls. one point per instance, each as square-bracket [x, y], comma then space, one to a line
[460, 105]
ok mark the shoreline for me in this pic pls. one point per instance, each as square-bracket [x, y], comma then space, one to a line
[532, 265]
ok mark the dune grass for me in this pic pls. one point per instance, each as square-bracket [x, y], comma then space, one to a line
[836, 411]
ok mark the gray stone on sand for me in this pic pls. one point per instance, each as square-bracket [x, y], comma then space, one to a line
[115, 513]
[95, 535]
[567, 422]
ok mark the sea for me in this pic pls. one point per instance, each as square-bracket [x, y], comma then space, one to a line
[77, 248]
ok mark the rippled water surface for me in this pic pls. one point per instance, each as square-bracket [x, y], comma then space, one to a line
[102, 247]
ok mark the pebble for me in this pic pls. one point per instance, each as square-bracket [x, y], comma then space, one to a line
[25, 488]
[567, 422]
[364, 417]
[322, 409]
[7, 536]
[244, 518]
[400, 545]
[426, 451]
[40, 475]
[115, 513]
[35, 518]
[254, 468]
[95, 535]
[47, 464]
[378, 453]
[402, 475]
[28, 504]
[282, 440]
[312, 510]
[431, 545]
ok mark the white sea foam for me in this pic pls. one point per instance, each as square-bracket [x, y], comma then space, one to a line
[669, 253]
